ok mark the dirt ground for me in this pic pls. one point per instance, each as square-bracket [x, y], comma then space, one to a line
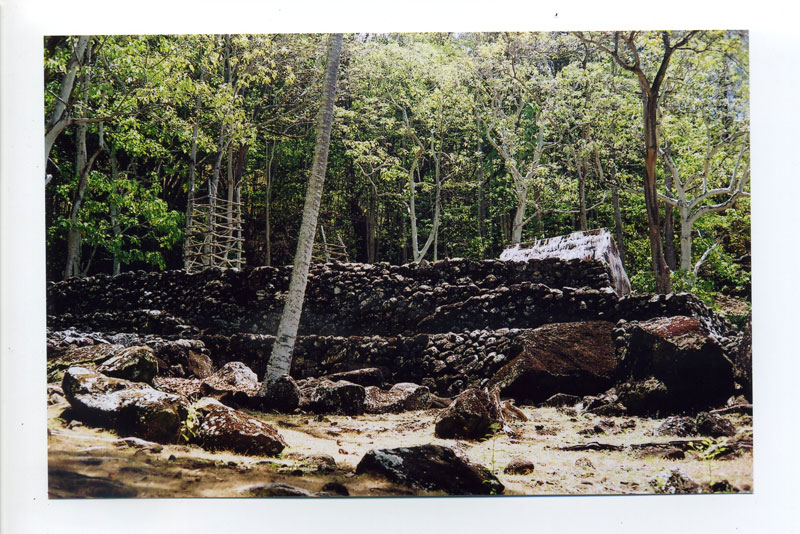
[90, 462]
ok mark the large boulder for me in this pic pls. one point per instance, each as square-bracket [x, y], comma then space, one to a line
[711, 424]
[282, 394]
[89, 356]
[677, 425]
[683, 354]
[130, 408]
[401, 397]
[474, 414]
[233, 376]
[222, 427]
[431, 468]
[340, 397]
[182, 357]
[572, 358]
[137, 364]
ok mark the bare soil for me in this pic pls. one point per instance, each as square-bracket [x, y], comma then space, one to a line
[90, 462]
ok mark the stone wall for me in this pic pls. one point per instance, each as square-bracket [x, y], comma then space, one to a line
[447, 363]
[359, 300]
[449, 325]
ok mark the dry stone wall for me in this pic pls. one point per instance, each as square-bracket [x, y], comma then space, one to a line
[449, 325]
[359, 300]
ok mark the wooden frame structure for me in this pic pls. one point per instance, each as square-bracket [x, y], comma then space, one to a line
[325, 252]
[214, 238]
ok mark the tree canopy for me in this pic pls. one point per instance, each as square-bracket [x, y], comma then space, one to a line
[443, 145]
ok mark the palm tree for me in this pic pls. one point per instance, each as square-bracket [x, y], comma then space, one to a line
[280, 361]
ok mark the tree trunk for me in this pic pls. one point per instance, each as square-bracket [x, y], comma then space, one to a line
[83, 167]
[115, 266]
[686, 238]
[614, 202]
[72, 264]
[268, 206]
[660, 269]
[412, 210]
[238, 174]
[372, 225]
[519, 217]
[191, 193]
[669, 228]
[437, 211]
[58, 120]
[618, 224]
[193, 164]
[583, 223]
[482, 209]
[280, 360]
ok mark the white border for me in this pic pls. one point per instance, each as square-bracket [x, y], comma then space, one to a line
[776, 188]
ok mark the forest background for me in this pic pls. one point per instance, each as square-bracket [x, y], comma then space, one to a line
[444, 145]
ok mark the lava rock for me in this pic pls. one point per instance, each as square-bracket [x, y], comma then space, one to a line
[233, 376]
[282, 394]
[572, 358]
[665, 453]
[474, 414]
[519, 466]
[55, 395]
[674, 482]
[595, 244]
[685, 355]
[711, 424]
[334, 489]
[431, 468]
[224, 428]
[644, 397]
[677, 426]
[340, 397]
[137, 364]
[89, 356]
[130, 408]
[401, 397]
[199, 364]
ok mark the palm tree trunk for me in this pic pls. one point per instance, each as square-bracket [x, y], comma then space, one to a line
[280, 360]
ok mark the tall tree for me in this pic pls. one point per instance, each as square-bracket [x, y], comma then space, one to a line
[517, 82]
[705, 147]
[60, 117]
[623, 48]
[280, 360]
[697, 195]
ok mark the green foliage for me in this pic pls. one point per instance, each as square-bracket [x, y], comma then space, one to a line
[190, 425]
[709, 450]
[467, 98]
[494, 428]
[126, 219]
